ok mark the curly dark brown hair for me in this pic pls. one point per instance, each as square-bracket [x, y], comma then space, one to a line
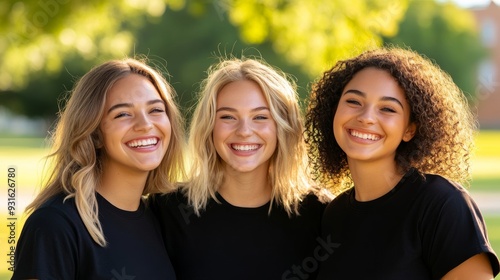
[444, 138]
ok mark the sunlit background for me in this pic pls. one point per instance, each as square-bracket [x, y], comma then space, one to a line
[471, 3]
[45, 45]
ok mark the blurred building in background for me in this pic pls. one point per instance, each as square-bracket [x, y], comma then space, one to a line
[488, 91]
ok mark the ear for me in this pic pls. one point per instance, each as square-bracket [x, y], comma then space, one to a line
[410, 132]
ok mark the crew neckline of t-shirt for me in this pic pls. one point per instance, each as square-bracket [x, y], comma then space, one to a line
[106, 206]
[381, 200]
[224, 202]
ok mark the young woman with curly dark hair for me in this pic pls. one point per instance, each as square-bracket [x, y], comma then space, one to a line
[392, 135]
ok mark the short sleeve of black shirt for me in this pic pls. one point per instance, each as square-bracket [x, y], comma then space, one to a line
[454, 228]
[47, 246]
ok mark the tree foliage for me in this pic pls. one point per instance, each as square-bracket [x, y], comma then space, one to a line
[316, 33]
[36, 35]
[46, 44]
[181, 43]
[446, 34]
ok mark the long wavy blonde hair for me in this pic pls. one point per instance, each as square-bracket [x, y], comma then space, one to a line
[288, 168]
[77, 155]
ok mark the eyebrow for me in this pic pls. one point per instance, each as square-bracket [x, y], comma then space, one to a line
[261, 108]
[130, 105]
[384, 98]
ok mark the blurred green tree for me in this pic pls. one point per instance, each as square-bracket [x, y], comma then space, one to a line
[446, 34]
[187, 42]
[316, 33]
[36, 35]
[45, 43]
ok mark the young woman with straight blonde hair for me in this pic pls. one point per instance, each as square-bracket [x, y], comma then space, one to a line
[248, 210]
[119, 137]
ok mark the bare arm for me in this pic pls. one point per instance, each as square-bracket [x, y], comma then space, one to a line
[477, 267]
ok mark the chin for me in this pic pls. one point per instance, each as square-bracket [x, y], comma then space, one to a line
[149, 167]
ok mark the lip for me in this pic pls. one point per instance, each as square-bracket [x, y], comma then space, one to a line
[146, 143]
[363, 135]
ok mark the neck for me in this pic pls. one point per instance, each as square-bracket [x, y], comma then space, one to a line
[246, 189]
[373, 180]
[123, 190]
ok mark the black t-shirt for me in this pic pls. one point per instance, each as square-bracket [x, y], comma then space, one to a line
[54, 244]
[229, 242]
[422, 229]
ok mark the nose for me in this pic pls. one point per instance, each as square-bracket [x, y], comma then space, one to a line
[367, 116]
[244, 128]
[143, 123]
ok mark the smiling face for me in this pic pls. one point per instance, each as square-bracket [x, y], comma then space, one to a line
[135, 127]
[372, 117]
[244, 134]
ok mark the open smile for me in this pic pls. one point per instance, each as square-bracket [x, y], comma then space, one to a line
[143, 143]
[363, 135]
[246, 147]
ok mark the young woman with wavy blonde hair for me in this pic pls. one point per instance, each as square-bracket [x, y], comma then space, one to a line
[248, 210]
[119, 137]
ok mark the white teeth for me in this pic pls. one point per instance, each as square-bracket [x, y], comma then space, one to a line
[142, 142]
[245, 147]
[364, 135]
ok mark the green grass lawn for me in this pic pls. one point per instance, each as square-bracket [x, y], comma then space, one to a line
[493, 227]
[23, 142]
[488, 184]
[26, 154]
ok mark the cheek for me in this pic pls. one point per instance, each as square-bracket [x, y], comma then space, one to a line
[108, 145]
[106, 134]
[167, 130]
[110, 127]
[223, 129]
[393, 123]
[272, 138]
[273, 134]
[216, 133]
[167, 126]
[269, 130]
[218, 145]
[218, 136]
[336, 126]
[104, 127]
